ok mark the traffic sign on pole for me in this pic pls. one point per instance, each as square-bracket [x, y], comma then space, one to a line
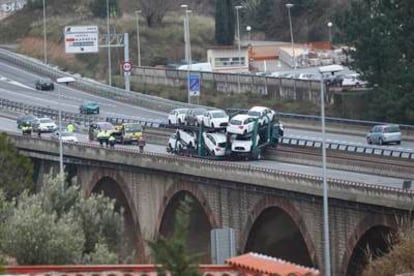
[126, 66]
[194, 81]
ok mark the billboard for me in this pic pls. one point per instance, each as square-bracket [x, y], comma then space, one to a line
[81, 39]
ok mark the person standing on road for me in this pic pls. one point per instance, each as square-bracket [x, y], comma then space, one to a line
[70, 127]
[90, 134]
[141, 143]
[112, 141]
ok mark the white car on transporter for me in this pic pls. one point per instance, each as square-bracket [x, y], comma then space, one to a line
[241, 124]
[264, 114]
[177, 116]
[215, 118]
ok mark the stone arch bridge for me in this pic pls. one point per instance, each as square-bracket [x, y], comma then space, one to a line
[272, 212]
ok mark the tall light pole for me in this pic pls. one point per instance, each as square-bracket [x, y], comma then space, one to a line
[109, 44]
[238, 45]
[327, 255]
[187, 47]
[289, 6]
[44, 34]
[330, 31]
[138, 42]
[66, 80]
[248, 29]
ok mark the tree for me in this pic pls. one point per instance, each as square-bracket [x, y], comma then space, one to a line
[172, 252]
[155, 10]
[98, 8]
[61, 227]
[225, 22]
[382, 34]
[17, 170]
[400, 259]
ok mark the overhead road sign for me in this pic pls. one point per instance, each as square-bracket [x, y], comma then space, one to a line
[81, 39]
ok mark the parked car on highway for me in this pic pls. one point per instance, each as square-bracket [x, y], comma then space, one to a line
[241, 124]
[352, 80]
[216, 118]
[262, 113]
[44, 124]
[384, 134]
[194, 116]
[66, 136]
[89, 107]
[215, 143]
[176, 116]
[30, 118]
[44, 84]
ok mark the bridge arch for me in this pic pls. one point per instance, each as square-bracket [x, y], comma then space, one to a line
[370, 232]
[201, 218]
[113, 185]
[264, 215]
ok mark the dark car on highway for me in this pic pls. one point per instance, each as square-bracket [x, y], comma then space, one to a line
[44, 84]
[29, 118]
[89, 107]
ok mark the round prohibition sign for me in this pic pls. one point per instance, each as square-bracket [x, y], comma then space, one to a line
[126, 66]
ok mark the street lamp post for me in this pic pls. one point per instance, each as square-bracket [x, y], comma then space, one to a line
[66, 80]
[330, 31]
[187, 48]
[289, 6]
[44, 34]
[238, 45]
[138, 42]
[109, 44]
[248, 29]
[327, 255]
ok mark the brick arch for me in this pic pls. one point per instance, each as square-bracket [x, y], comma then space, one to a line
[116, 176]
[364, 225]
[194, 191]
[294, 214]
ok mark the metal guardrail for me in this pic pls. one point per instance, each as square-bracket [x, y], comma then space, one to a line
[149, 101]
[86, 120]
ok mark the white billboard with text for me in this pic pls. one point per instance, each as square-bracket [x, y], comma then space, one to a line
[81, 39]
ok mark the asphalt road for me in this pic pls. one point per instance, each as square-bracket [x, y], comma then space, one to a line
[10, 126]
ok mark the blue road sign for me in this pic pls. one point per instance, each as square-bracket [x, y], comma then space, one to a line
[194, 83]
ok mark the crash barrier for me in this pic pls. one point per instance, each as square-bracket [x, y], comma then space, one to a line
[86, 120]
[349, 147]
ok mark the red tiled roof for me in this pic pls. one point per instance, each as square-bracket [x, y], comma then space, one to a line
[270, 266]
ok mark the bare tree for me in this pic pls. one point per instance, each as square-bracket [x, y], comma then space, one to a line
[155, 10]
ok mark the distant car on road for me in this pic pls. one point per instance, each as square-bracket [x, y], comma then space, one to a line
[89, 107]
[44, 84]
[384, 134]
[25, 119]
[102, 126]
[66, 136]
